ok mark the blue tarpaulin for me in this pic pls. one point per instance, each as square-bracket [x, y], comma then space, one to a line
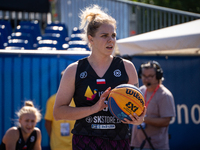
[36, 76]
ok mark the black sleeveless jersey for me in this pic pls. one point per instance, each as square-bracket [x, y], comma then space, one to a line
[29, 144]
[21, 144]
[88, 89]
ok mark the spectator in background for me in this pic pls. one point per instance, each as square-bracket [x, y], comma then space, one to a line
[58, 131]
[160, 109]
[26, 135]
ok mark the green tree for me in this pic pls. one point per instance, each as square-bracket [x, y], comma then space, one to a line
[185, 5]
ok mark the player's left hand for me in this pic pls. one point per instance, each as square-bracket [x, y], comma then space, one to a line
[136, 120]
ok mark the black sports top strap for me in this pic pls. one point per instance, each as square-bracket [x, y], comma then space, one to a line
[29, 144]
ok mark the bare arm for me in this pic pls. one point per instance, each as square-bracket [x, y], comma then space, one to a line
[37, 145]
[158, 122]
[62, 110]
[48, 126]
[10, 138]
[132, 73]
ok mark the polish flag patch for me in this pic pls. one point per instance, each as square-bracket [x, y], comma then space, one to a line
[101, 81]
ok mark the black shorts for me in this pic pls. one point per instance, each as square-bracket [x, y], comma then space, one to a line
[80, 142]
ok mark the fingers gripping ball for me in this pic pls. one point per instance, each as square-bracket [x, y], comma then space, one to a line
[124, 100]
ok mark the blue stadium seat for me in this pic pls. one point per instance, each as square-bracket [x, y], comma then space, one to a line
[28, 29]
[23, 36]
[52, 36]
[7, 24]
[14, 48]
[76, 30]
[53, 44]
[33, 23]
[59, 25]
[77, 35]
[58, 29]
[19, 43]
[4, 32]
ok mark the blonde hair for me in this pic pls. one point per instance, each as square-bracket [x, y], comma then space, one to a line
[29, 108]
[92, 18]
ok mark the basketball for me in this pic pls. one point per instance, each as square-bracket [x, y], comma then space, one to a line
[124, 100]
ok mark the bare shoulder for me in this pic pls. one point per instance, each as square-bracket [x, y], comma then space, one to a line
[12, 130]
[71, 69]
[131, 71]
[127, 63]
[12, 134]
[72, 66]
[129, 66]
[38, 131]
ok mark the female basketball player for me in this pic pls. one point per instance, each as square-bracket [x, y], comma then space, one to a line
[89, 82]
[26, 136]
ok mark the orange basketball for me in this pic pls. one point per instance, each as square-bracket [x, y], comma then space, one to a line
[124, 100]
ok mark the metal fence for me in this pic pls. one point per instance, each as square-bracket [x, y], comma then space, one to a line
[14, 17]
[132, 17]
[151, 17]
